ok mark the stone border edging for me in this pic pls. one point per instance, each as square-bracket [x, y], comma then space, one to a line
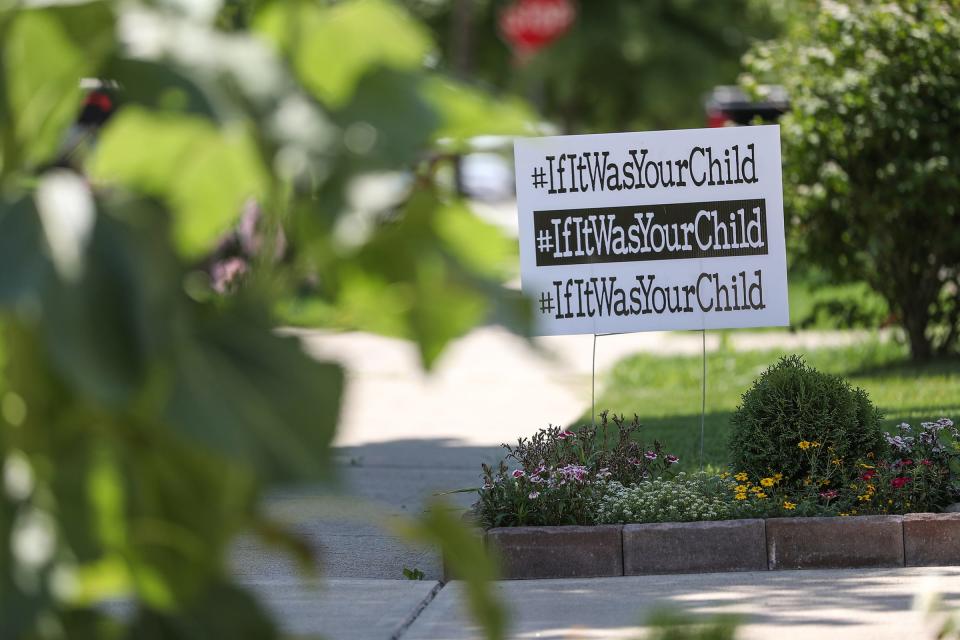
[921, 539]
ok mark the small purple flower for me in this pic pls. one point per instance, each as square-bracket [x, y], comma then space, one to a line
[536, 479]
[901, 444]
[671, 459]
[534, 495]
[563, 435]
[650, 455]
[518, 473]
[634, 461]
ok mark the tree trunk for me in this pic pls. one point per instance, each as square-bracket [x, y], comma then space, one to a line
[915, 323]
[461, 38]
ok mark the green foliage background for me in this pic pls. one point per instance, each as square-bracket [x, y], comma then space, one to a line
[870, 168]
[623, 66]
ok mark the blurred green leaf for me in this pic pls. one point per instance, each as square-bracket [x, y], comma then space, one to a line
[186, 503]
[478, 245]
[394, 135]
[464, 553]
[466, 113]
[90, 624]
[202, 172]
[283, 405]
[333, 46]
[155, 86]
[44, 53]
[102, 330]
[23, 264]
[439, 299]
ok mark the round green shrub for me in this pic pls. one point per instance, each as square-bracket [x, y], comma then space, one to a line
[805, 424]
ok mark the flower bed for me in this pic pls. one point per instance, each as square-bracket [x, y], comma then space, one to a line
[562, 480]
[808, 491]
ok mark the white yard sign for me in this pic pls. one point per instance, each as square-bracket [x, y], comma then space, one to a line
[652, 231]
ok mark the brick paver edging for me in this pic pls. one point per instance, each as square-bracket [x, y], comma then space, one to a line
[921, 539]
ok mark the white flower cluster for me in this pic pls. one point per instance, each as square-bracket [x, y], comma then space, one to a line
[679, 499]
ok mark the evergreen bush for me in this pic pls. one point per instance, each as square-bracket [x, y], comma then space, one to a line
[804, 424]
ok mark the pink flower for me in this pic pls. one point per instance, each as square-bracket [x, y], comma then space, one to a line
[671, 459]
[906, 462]
[634, 461]
[518, 473]
[897, 483]
[534, 495]
[829, 494]
[563, 435]
[650, 455]
[926, 462]
[868, 474]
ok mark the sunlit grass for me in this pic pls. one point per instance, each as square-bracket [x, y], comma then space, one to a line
[666, 391]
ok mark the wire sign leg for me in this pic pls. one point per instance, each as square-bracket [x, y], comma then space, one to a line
[703, 394]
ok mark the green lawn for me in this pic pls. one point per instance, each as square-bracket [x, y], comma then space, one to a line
[665, 391]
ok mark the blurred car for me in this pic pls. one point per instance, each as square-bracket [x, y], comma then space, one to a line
[729, 105]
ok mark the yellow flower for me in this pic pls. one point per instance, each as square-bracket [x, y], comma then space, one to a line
[767, 482]
[803, 444]
[756, 489]
[789, 506]
[740, 488]
[761, 495]
[778, 476]
[724, 475]
[866, 466]
[806, 481]
[837, 461]
[814, 444]
[844, 513]
[741, 477]
[740, 496]
[864, 498]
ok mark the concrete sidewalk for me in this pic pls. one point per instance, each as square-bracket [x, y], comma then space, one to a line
[786, 605]
[874, 604]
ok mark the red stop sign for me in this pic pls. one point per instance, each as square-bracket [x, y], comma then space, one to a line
[530, 25]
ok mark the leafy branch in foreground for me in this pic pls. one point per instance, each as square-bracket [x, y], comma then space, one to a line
[142, 413]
